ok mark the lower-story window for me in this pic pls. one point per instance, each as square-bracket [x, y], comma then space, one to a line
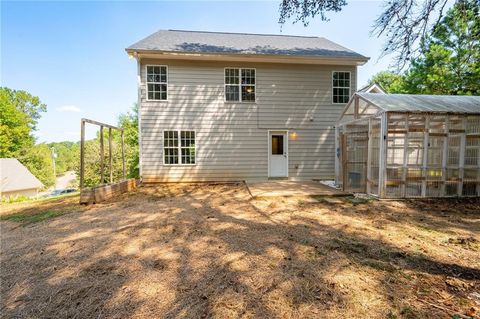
[179, 147]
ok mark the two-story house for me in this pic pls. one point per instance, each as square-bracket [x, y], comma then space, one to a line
[217, 106]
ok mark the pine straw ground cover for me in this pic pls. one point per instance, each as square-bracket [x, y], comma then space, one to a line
[198, 251]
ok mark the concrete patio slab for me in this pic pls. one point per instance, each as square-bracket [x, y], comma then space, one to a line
[291, 188]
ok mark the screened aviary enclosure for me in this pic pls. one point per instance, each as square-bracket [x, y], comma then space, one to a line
[402, 146]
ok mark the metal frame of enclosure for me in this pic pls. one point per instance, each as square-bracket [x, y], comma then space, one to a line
[408, 146]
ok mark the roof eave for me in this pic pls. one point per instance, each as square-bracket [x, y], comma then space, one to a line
[8, 190]
[269, 58]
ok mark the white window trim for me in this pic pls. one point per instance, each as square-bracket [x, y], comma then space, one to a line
[146, 82]
[338, 87]
[179, 147]
[239, 85]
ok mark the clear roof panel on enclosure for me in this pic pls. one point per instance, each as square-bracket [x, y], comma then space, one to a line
[357, 109]
[363, 105]
[424, 103]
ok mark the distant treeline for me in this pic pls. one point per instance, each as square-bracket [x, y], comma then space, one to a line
[19, 115]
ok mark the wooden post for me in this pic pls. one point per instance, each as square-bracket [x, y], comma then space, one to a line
[355, 108]
[461, 164]
[426, 143]
[123, 156]
[110, 153]
[403, 186]
[445, 157]
[344, 157]
[369, 157]
[82, 152]
[382, 176]
[102, 178]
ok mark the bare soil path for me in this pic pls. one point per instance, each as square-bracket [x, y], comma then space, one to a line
[197, 251]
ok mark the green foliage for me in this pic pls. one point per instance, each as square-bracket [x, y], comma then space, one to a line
[66, 155]
[129, 123]
[19, 113]
[14, 199]
[450, 60]
[391, 82]
[449, 63]
[27, 104]
[38, 160]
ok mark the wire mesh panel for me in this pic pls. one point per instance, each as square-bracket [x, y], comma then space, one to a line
[396, 155]
[432, 155]
[374, 154]
[426, 155]
[414, 157]
[354, 150]
[453, 165]
[471, 182]
[436, 156]
[471, 173]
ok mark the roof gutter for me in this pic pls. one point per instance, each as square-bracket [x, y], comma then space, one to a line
[243, 57]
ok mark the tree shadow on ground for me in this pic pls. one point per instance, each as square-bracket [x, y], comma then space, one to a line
[195, 251]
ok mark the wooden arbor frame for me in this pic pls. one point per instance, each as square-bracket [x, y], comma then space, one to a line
[102, 155]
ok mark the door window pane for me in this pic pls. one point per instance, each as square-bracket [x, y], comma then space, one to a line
[277, 144]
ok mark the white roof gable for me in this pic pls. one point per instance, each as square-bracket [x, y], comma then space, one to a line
[14, 176]
[372, 88]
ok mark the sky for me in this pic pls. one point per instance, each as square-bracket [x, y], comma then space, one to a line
[72, 54]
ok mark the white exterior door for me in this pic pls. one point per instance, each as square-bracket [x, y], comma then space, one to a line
[278, 154]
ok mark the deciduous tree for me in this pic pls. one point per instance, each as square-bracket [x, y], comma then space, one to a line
[405, 23]
[19, 114]
[390, 81]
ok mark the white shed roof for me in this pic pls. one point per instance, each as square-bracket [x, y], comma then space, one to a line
[423, 103]
[14, 176]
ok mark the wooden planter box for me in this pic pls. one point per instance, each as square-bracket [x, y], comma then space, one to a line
[101, 193]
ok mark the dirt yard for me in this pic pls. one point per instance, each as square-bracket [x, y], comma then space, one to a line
[200, 251]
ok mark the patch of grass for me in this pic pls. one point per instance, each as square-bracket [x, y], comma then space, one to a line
[14, 199]
[359, 200]
[314, 254]
[305, 241]
[408, 313]
[379, 265]
[31, 218]
[391, 315]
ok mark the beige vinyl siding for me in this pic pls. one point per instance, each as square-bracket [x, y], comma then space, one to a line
[231, 137]
[30, 192]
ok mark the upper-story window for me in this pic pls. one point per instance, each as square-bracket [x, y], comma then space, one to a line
[157, 82]
[240, 84]
[341, 87]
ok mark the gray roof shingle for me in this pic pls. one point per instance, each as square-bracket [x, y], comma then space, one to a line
[242, 43]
